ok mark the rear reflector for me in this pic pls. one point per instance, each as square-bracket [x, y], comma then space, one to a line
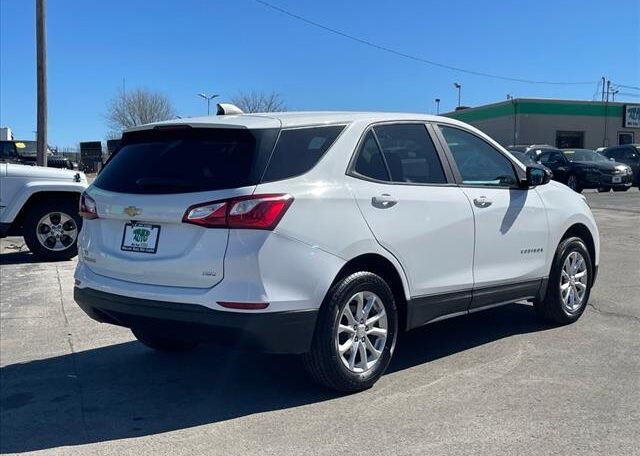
[244, 305]
[260, 212]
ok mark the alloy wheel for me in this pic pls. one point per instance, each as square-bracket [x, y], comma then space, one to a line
[573, 282]
[56, 231]
[362, 332]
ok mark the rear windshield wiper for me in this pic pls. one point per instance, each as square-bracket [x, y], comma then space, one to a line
[147, 183]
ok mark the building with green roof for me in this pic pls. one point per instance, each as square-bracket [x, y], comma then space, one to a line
[560, 123]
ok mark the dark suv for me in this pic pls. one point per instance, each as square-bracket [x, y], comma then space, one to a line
[24, 153]
[629, 154]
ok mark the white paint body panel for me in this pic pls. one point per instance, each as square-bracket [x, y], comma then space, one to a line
[20, 182]
[429, 230]
[511, 236]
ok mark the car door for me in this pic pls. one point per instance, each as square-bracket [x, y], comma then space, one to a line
[510, 221]
[417, 213]
[557, 163]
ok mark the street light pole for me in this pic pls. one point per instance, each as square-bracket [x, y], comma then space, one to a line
[208, 98]
[41, 78]
[437, 105]
[458, 86]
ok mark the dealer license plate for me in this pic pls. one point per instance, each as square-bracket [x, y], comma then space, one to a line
[140, 237]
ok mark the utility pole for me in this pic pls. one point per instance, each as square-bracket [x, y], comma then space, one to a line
[41, 70]
[458, 86]
[437, 106]
[605, 139]
[603, 82]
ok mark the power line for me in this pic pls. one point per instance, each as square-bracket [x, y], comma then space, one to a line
[595, 94]
[628, 94]
[412, 57]
[628, 87]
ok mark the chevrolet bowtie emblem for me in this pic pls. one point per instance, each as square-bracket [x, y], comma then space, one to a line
[132, 211]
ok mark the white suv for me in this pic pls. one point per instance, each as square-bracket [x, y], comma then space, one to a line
[41, 204]
[324, 234]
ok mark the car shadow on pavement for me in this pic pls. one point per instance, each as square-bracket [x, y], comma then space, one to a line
[20, 257]
[125, 390]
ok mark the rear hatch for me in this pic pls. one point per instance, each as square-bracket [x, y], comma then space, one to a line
[145, 190]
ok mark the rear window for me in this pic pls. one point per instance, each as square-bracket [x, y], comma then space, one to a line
[187, 160]
[298, 150]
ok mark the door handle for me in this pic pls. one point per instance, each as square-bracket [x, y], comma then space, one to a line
[482, 202]
[383, 201]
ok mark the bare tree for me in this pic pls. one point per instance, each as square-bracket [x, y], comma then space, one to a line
[138, 107]
[259, 101]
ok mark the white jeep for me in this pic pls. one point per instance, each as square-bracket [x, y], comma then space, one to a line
[41, 204]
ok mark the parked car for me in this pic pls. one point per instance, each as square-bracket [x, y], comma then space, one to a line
[524, 158]
[629, 154]
[25, 152]
[517, 148]
[536, 149]
[41, 204]
[324, 235]
[583, 168]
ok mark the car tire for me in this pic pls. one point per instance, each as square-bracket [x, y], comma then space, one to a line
[604, 189]
[557, 307]
[620, 189]
[60, 217]
[163, 344]
[574, 183]
[352, 370]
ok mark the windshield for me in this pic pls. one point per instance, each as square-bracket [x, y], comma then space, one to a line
[29, 148]
[583, 155]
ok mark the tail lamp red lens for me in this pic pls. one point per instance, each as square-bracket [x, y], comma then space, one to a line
[259, 212]
[88, 208]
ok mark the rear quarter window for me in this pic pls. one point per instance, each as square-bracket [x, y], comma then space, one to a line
[298, 150]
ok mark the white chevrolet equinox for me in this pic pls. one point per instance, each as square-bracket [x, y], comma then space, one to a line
[324, 234]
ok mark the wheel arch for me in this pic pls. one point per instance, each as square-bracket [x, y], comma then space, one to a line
[35, 198]
[387, 270]
[581, 231]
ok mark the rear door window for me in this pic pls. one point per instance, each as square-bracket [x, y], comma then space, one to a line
[410, 154]
[187, 160]
[298, 150]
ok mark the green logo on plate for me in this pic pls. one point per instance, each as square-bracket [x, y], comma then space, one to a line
[141, 235]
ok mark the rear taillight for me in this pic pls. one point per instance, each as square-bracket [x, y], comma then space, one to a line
[88, 207]
[260, 212]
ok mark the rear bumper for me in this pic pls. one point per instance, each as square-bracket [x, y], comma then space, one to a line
[269, 332]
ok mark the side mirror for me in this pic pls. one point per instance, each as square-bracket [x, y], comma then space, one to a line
[537, 175]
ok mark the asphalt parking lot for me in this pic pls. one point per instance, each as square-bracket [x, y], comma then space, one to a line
[497, 382]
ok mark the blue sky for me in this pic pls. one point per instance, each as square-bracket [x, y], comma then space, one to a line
[182, 47]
